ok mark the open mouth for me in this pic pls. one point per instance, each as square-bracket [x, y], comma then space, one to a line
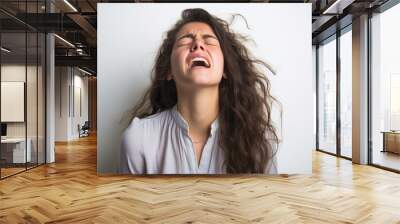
[199, 62]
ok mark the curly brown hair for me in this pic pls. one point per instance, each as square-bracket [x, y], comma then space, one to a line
[247, 135]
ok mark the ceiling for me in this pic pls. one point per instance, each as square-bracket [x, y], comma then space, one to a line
[76, 22]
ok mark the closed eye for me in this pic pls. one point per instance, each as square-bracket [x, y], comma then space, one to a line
[189, 38]
[185, 41]
[212, 41]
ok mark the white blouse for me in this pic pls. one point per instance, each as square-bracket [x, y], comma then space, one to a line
[160, 144]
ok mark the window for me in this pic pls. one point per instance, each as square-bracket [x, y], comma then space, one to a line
[327, 96]
[385, 88]
[346, 93]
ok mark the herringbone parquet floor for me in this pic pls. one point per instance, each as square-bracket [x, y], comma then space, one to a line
[70, 191]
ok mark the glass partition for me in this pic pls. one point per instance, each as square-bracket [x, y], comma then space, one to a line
[327, 96]
[385, 89]
[13, 110]
[22, 77]
[346, 93]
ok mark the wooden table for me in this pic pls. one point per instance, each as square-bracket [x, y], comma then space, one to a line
[391, 141]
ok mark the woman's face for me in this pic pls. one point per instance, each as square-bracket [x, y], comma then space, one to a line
[196, 59]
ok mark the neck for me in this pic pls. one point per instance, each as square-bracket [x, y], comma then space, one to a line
[199, 108]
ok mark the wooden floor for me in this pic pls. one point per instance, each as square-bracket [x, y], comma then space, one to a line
[387, 159]
[5, 172]
[70, 191]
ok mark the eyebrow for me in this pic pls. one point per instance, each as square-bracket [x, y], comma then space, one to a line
[204, 36]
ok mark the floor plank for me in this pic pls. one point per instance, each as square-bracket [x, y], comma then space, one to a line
[69, 191]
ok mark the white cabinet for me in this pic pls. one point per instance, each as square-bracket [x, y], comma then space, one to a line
[17, 145]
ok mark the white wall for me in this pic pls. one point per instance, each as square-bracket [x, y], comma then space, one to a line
[12, 101]
[129, 36]
[15, 73]
[61, 103]
[80, 83]
[18, 73]
[67, 80]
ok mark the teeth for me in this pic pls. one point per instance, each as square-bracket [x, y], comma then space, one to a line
[200, 59]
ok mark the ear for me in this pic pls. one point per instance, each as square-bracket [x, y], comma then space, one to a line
[224, 76]
[169, 76]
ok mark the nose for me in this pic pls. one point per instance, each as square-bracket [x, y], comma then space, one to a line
[197, 45]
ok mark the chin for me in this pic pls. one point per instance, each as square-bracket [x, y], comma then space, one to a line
[204, 83]
[204, 80]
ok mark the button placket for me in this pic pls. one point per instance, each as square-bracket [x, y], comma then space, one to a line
[189, 151]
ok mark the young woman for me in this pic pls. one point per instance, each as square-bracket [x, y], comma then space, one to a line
[208, 110]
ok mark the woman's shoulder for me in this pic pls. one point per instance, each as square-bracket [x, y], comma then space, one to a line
[138, 137]
[137, 142]
[149, 124]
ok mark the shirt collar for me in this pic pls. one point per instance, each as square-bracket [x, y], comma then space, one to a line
[178, 118]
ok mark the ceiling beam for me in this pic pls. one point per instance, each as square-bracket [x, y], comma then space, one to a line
[86, 26]
[337, 6]
[85, 61]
